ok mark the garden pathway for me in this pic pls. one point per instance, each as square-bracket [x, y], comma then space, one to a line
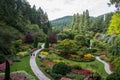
[35, 68]
[106, 65]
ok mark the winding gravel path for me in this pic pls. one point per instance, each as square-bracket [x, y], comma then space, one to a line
[35, 68]
[106, 65]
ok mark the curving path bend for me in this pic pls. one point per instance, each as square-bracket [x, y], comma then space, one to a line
[106, 65]
[35, 68]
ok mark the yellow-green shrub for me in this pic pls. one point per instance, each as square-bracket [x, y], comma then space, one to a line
[21, 54]
[44, 53]
[88, 56]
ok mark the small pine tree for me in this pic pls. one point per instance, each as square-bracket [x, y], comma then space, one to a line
[35, 42]
[47, 43]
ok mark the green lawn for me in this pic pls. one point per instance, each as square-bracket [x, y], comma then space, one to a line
[23, 65]
[94, 65]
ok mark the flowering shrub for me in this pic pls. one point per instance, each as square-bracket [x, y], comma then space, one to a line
[88, 56]
[85, 72]
[44, 53]
[19, 75]
[21, 54]
[2, 66]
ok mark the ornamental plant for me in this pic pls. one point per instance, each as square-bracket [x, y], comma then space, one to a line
[21, 54]
[67, 46]
[61, 68]
[88, 56]
[44, 53]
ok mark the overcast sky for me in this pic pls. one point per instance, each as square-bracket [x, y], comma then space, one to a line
[59, 8]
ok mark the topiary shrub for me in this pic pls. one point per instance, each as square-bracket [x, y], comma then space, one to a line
[61, 68]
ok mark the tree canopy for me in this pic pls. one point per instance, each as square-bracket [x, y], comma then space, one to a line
[114, 27]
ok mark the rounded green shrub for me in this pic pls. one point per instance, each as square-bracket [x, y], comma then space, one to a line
[61, 68]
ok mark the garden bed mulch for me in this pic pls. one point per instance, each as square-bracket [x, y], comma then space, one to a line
[82, 72]
[47, 63]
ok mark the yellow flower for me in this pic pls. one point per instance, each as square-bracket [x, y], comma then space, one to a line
[44, 53]
[88, 55]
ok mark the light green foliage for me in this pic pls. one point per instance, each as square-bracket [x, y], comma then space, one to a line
[33, 27]
[116, 63]
[80, 23]
[111, 39]
[115, 49]
[62, 36]
[99, 44]
[114, 27]
[67, 46]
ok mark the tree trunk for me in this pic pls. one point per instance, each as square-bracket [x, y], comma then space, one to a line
[7, 71]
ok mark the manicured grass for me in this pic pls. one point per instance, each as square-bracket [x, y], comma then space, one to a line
[94, 65]
[23, 65]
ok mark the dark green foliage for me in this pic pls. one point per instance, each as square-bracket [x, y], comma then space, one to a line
[62, 36]
[114, 76]
[61, 68]
[76, 67]
[96, 76]
[80, 40]
[87, 50]
[116, 3]
[83, 23]
[47, 43]
[7, 70]
[45, 49]
[35, 42]
[115, 49]
[55, 75]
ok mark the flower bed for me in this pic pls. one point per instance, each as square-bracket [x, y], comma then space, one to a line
[2, 66]
[19, 75]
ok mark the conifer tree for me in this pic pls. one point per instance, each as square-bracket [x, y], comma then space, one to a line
[47, 43]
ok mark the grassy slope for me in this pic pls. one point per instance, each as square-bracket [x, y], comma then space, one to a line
[23, 65]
